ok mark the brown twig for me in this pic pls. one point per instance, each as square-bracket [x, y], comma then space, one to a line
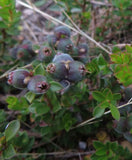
[65, 154]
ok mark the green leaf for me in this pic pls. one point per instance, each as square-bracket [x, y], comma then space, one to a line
[39, 3]
[101, 151]
[12, 129]
[45, 130]
[129, 49]
[116, 96]
[12, 100]
[93, 66]
[2, 115]
[101, 60]
[108, 94]
[54, 101]
[30, 96]
[115, 112]
[123, 67]
[9, 152]
[15, 104]
[98, 144]
[42, 108]
[39, 108]
[86, 14]
[98, 96]
[104, 104]
[68, 125]
[39, 70]
[55, 86]
[98, 112]
[113, 146]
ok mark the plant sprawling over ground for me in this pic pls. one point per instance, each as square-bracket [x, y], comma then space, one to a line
[62, 97]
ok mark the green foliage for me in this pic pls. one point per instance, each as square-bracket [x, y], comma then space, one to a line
[8, 23]
[110, 150]
[106, 99]
[55, 86]
[16, 104]
[123, 66]
[11, 129]
[9, 152]
[46, 121]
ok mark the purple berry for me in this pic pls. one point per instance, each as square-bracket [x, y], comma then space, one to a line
[65, 45]
[46, 54]
[52, 41]
[61, 57]
[57, 70]
[76, 71]
[23, 51]
[18, 78]
[83, 49]
[38, 84]
[13, 52]
[83, 53]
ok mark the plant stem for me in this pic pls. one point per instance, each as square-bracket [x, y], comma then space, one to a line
[105, 113]
[3, 42]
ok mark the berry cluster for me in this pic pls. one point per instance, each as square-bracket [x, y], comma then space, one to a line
[64, 62]
[23, 51]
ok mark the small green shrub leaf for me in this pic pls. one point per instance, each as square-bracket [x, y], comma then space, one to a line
[116, 96]
[98, 96]
[115, 112]
[101, 151]
[98, 144]
[55, 86]
[98, 112]
[9, 152]
[11, 129]
[39, 70]
[30, 96]
[39, 108]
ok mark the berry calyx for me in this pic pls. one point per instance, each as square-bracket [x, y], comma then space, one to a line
[38, 84]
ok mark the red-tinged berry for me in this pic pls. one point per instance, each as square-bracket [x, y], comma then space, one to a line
[16, 78]
[23, 52]
[13, 52]
[38, 84]
[62, 32]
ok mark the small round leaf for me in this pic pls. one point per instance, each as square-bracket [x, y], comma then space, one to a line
[11, 129]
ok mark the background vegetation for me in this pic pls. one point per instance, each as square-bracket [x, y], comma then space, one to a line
[87, 119]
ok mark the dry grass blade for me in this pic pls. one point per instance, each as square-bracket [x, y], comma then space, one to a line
[54, 20]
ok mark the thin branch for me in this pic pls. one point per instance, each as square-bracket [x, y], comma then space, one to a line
[105, 113]
[54, 20]
[11, 69]
[101, 3]
[60, 154]
[31, 32]
[7, 72]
